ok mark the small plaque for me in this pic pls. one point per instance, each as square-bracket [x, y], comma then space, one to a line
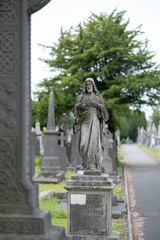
[80, 172]
[78, 199]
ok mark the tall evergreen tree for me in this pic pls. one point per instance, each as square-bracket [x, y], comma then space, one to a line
[105, 49]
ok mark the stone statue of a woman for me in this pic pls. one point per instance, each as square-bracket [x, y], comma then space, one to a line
[91, 114]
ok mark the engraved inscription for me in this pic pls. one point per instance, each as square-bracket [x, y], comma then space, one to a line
[92, 217]
[8, 53]
[8, 11]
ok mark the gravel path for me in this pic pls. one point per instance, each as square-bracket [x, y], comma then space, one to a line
[143, 174]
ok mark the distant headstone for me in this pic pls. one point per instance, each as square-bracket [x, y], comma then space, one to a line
[75, 159]
[39, 145]
[107, 162]
[153, 135]
[112, 153]
[64, 122]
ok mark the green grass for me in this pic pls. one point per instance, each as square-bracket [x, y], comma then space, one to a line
[121, 161]
[58, 187]
[117, 190]
[57, 217]
[37, 164]
[59, 222]
[118, 226]
[153, 152]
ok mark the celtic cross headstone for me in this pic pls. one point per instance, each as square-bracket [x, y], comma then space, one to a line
[19, 213]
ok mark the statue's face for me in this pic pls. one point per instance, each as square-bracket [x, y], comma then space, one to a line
[89, 86]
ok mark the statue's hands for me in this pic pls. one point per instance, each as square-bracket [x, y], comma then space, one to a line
[82, 105]
[79, 105]
[95, 104]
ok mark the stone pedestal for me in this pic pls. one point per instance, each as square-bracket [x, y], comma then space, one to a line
[89, 207]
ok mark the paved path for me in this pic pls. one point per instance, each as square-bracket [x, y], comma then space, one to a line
[145, 179]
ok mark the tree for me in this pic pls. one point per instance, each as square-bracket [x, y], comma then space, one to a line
[121, 65]
[129, 126]
[156, 117]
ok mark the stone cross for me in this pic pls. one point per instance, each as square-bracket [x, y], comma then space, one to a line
[62, 139]
[19, 213]
[64, 121]
[38, 128]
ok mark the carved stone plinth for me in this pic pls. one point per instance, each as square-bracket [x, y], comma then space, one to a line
[89, 207]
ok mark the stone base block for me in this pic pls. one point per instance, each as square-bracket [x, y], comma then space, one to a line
[49, 177]
[115, 177]
[55, 232]
[118, 210]
[70, 168]
[112, 236]
[89, 206]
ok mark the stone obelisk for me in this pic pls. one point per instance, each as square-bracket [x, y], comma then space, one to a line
[50, 166]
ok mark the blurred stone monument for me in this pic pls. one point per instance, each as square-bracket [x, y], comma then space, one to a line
[75, 158]
[157, 138]
[107, 162]
[39, 146]
[62, 150]
[50, 165]
[64, 122]
[153, 135]
[20, 216]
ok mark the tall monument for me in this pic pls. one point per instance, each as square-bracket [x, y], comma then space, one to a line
[20, 217]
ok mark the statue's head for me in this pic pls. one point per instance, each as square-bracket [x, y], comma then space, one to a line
[90, 86]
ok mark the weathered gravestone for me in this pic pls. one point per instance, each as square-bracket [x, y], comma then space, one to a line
[153, 135]
[107, 162]
[39, 150]
[64, 122]
[75, 158]
[112, 152]
[51, 165]
[20, 217]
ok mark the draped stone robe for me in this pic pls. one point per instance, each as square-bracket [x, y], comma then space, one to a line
[91, 113]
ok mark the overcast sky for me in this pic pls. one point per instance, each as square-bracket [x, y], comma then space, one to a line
[46, 25]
